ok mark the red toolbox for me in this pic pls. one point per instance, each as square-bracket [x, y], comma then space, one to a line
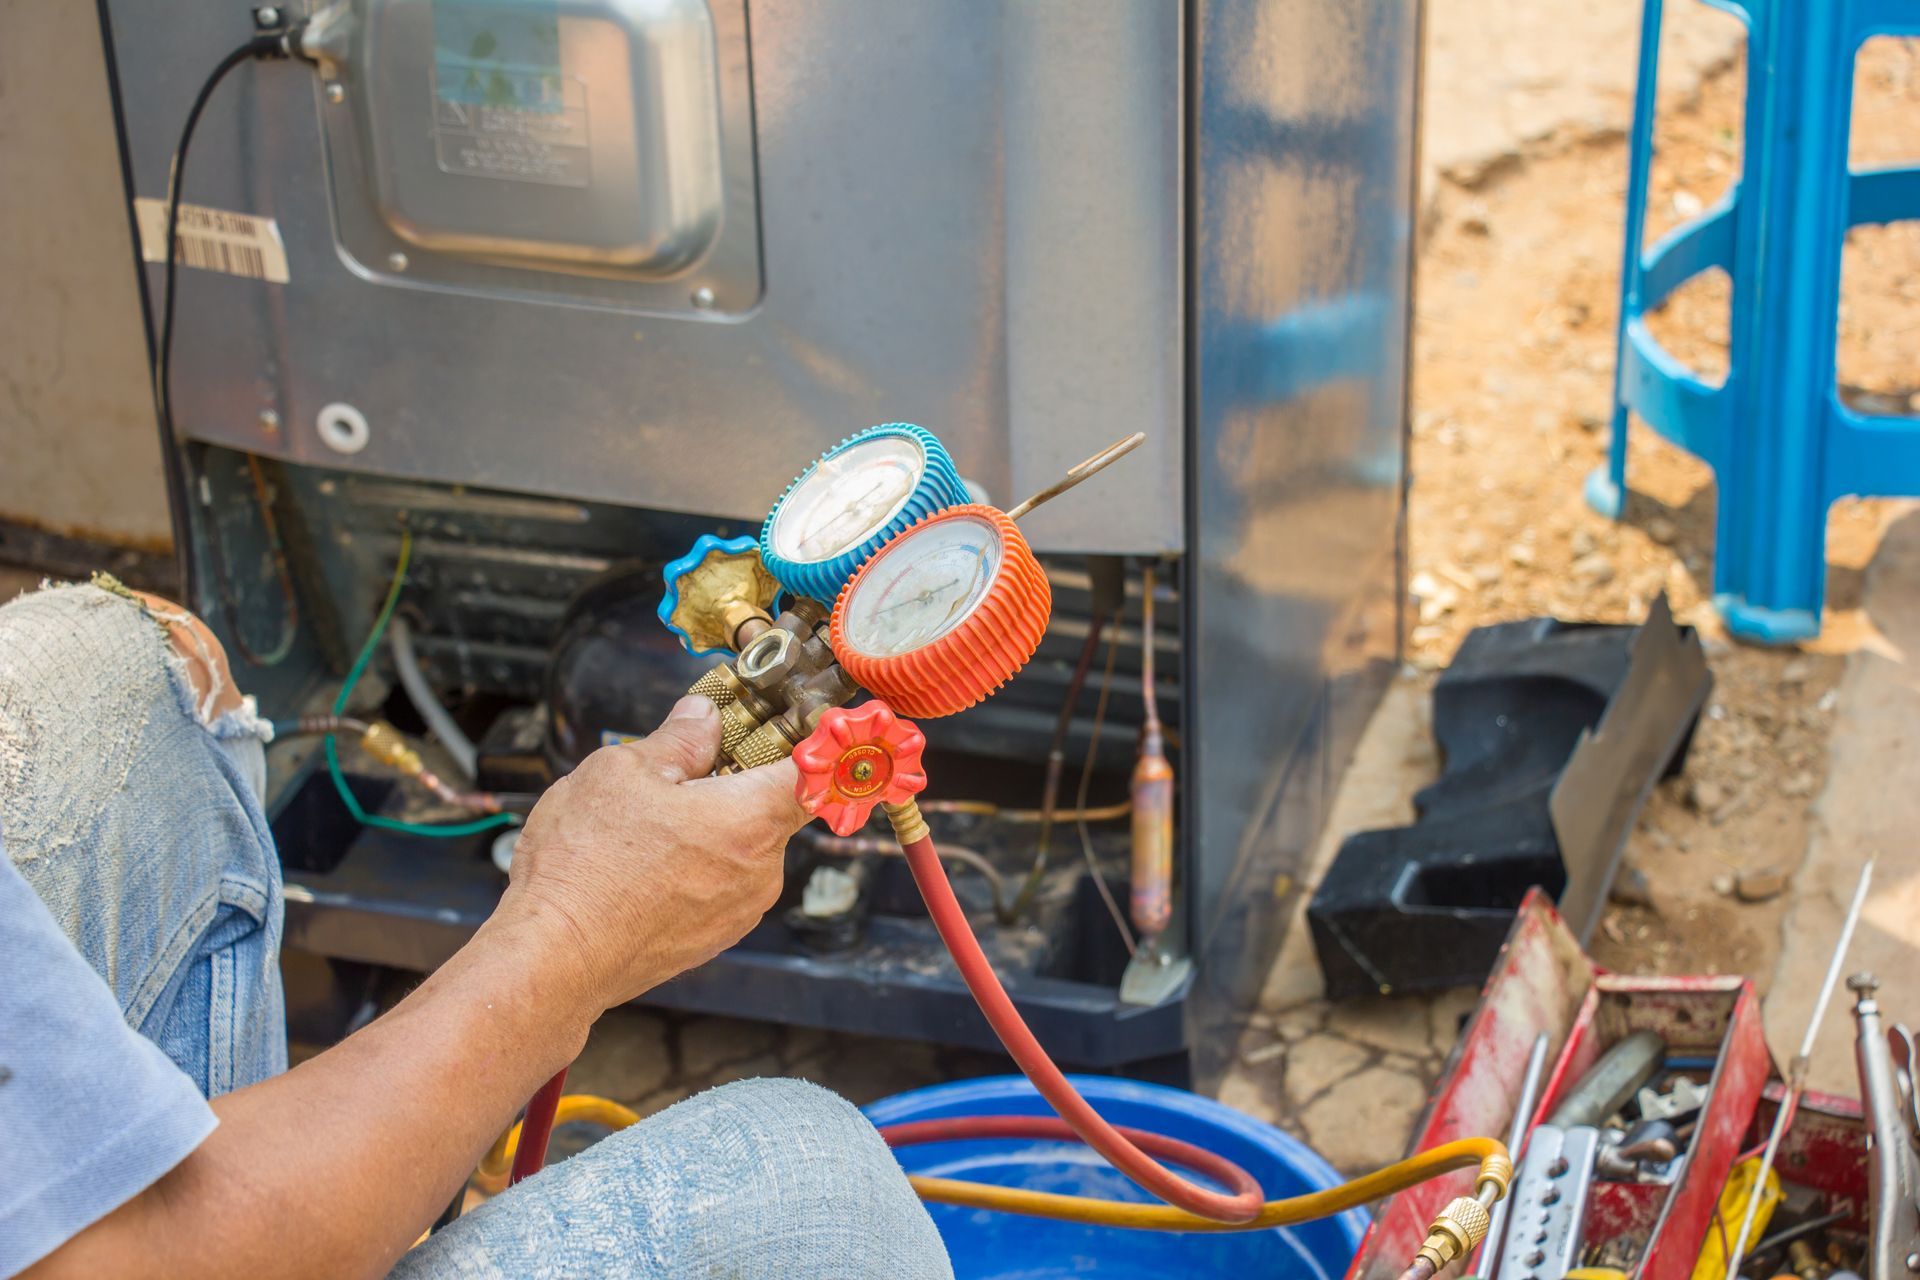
[1543, 982]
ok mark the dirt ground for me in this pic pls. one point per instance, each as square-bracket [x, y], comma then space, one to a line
[1515, 348]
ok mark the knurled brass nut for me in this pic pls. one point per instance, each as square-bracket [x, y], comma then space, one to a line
[1467, 1220]
[736, 722]
[718, 686]
[765, 745]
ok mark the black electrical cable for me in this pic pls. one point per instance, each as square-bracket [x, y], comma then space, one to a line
[277, 44]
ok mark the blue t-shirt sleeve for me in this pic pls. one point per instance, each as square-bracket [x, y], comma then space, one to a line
[92, 1112]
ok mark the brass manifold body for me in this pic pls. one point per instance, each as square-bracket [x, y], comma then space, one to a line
[772, 695]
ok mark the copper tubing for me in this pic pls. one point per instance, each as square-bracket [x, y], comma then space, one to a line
[1152, 789]
[306, 725]
[1056, 761]
[384, 743]
[1027, 817]
[886, 847]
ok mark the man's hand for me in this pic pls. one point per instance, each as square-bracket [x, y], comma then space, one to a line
[643, 866]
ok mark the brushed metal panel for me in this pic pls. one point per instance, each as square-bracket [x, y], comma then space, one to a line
[920, 263]
[1303, 210]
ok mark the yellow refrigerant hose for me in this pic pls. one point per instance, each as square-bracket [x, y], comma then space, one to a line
[1486, 1153]
[491, 1176]
[1455, 1229]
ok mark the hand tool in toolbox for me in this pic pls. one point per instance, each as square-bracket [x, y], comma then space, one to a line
[1893, 1120]
[1516, 1140]
[1649, 1216]
[1797, 1069]
[1546, 1221]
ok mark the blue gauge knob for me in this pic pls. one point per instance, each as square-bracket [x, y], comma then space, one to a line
[847, 505]
[712, 589]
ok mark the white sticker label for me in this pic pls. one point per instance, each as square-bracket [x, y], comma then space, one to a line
[238, 244]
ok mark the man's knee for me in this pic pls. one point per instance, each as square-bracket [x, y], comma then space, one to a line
[792, 1140]
[811, 1168]
[797, 1132]
[764, 1178]
[209, 675]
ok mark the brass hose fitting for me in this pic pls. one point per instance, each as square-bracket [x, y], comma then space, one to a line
[1460, 1227]
[767, 744]
[719, 686]
[1496, 1171]
[383, 742]
[908, 825]
[1463, 1224]
[736, 723]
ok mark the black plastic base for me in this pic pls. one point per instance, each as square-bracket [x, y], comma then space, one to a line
[1553, 734]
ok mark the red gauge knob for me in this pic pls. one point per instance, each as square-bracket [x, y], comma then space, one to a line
[857, 758]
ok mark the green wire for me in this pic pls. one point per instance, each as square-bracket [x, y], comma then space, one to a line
[446, 831]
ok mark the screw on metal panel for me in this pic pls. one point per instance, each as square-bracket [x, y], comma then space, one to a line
[270, 421]
[336, 94]
[703, 298]
[397, 261]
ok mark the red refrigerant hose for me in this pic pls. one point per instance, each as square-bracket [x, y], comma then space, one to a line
[536, 1128]
[1126, 1155]
[1053, 1128]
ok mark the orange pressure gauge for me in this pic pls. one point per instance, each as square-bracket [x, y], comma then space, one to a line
[944, 613]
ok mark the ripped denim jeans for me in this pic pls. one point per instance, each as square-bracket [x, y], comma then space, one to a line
[139, 825]
[138, 820]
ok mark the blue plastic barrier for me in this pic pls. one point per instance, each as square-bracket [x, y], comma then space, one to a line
[1002, 1246]
[1781, 444]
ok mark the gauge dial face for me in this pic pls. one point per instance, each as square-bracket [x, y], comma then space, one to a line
[844, 498]
[921, 585]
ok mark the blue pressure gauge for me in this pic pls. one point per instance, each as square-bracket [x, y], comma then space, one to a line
[847, 505]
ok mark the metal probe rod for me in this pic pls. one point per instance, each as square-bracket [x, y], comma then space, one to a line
[1797, 1071]
[1489, 1257]
[1092, 466]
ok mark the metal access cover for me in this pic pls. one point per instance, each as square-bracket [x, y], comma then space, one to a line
[594, 149]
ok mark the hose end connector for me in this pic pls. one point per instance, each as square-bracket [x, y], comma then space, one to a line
[908, 825]
[1496, 1175]
[1460, 1227]
[384, 743]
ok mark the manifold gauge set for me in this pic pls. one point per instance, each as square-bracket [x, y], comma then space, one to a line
[874, 571]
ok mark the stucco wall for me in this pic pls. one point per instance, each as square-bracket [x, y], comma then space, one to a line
[78, 448]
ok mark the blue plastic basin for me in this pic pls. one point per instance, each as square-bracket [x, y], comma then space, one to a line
[1004, 1246]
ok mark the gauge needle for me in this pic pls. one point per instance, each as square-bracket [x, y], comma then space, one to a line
[925, 597]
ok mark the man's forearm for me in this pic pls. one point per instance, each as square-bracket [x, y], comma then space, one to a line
[334, 1168]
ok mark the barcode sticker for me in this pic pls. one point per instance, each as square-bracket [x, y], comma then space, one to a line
[238, 244]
